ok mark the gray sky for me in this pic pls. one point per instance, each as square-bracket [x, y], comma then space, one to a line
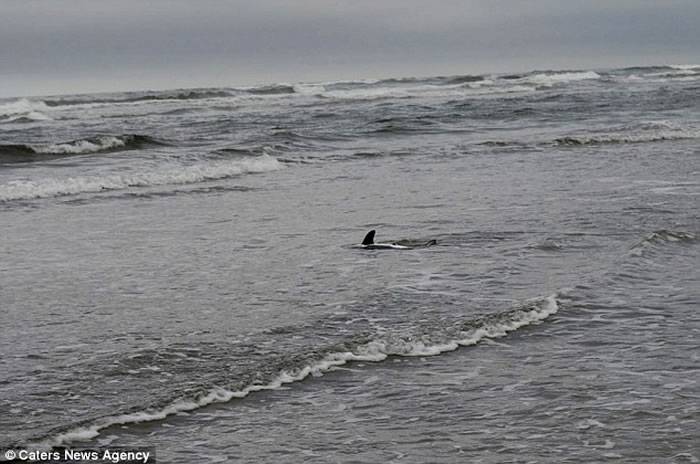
[74, 46]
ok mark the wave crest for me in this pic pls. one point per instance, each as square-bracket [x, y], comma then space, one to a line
[174, 175]
[646, 132]
[633, 137]
[375, 350]
[668, 236]
[23, 110]
[166, 95]
[555, 78]
[686, 66]
[98, 144]
[194, 94]
[18, 153]
[277, 89]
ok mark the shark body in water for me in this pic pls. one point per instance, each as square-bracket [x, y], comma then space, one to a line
[369, 244]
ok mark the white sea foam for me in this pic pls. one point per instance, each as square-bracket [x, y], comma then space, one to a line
[481, 83]
[490, 86]
[518, 88]
[631, 78]
[84, 146]
[686, 67]
[172, 174]
[677, 74]
[370, 93]
[22, 105]
[550, 79]
[309, 89]
[405, 91]
[31, 116]
[23, 109]
[374, 351]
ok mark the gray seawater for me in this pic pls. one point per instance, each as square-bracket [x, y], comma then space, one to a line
[177, 270]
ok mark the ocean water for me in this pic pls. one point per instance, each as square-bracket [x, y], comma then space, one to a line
[178, 270]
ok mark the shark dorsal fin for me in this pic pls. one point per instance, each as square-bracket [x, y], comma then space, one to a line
[369, 238]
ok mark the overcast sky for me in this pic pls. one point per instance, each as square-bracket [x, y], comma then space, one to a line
[74, 46]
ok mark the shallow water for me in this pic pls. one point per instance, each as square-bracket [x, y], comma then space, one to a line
[178, 270]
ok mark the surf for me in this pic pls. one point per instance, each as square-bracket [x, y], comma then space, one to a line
[373, 349]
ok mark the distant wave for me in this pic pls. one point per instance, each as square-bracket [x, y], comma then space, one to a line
[463, 79]
[550, 79]
[642, 69]
[399, 87]
[139, 97]
[18, 153]
[435, 80]
[357, 89]
[279, 89]
[23, 110]
[498, 83]
[166, 95]
[686, 67]
[402, 80]
[658, 73]
[240, 151]
[372, 350]
[164, 175]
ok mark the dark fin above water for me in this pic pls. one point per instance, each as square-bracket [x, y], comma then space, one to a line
[369, 238]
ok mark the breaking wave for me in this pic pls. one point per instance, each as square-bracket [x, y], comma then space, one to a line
[23, 110]
[466, 79]
[140, 97]
[17, 153]
[371, 350]
[173, 174]
[555, 78]
[279, 89]
[686, 67]
[168, 95]
[357, 89]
